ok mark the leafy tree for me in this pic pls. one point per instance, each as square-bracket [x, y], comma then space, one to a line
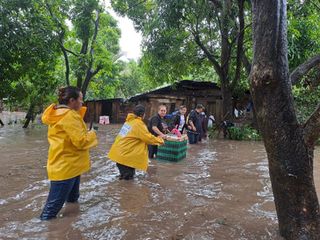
[91, 47]
[26, 61]
[179, 35]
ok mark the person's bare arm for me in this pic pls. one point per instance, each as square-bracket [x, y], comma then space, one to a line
[157, 131]
[192, 126]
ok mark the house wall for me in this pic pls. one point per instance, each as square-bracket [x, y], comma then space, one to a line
[210, 98]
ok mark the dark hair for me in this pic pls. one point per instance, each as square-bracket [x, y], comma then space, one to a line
[162, 105]
[182, 107]
[200, 106]
[66, 93]
[139, 110]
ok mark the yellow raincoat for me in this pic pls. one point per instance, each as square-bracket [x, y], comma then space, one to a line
[69, 143]
[131, 145]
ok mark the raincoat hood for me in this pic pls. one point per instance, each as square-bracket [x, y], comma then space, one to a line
[132, 117]
[131, 145]
[52, 114]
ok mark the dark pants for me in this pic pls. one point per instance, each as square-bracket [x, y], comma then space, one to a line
[153, 150]
[193, 137]
[60, 192]
[126, 172]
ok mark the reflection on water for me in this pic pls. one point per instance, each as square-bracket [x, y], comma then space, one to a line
[221, 191]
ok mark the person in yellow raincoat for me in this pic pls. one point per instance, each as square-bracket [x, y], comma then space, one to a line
[68, 155]
[130, 149]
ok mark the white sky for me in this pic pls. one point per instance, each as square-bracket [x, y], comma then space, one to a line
[130, 40]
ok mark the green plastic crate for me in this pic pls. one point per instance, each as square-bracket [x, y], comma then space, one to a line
[172, 151]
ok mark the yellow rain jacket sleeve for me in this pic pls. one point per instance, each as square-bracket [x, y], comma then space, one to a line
[69, 143]
[131, 145]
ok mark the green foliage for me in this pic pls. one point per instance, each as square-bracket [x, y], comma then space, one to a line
[246, 133]
[170, 50]
[125, 80]
[303, 31]
[243, 133]
[306, 101]
[26, 33]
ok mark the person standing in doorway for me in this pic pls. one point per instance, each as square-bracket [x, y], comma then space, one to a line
[158, 127]
[194, 124]
[68, 156]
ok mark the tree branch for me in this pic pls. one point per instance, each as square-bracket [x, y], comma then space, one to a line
[94, 38]
[67, 50]
[66, 59]
[239, 44]
[90, 73]
[303, 69]
[312, 128]
[207, 53]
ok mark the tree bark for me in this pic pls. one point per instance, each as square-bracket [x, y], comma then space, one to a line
[90, 73]
[290, 158]
[304, 68]
[29, 116]
[227, 100]
[66, 60]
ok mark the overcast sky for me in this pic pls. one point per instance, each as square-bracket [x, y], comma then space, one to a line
[130, 39]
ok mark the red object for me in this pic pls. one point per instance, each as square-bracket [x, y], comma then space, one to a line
[176, 132]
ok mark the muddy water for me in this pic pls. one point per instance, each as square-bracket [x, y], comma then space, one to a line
[221, 191]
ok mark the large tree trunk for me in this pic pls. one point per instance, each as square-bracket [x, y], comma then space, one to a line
[290, 158]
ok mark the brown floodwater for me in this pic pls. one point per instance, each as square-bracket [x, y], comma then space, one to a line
[220, 191]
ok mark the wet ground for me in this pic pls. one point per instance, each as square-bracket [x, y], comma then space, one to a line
[221, 191]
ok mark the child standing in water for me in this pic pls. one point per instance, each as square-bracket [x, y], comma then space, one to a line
[130, 149]
[69, 148]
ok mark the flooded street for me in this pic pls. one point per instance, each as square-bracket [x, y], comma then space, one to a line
[221, 191]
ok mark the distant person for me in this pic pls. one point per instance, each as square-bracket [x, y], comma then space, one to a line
[204, 126]
[194, 124]
[1, 109]
[130, 150]
[69, 149]
[179, 119]
[211, 121]
[158, 127]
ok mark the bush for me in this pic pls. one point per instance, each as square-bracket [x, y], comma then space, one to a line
[246, 133]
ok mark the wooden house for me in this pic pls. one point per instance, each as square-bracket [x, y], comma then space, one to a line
[187, 92]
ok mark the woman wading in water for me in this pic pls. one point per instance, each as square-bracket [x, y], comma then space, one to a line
[68, 156]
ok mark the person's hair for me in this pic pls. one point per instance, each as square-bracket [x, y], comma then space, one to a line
[162, 105]
[66, 93]
[182, 107]
[200, 106]
[139, 110]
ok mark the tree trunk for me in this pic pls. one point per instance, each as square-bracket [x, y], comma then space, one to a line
[86, 83]
[29, 116]
[66, 59]
[290, 158]
[227, 100]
